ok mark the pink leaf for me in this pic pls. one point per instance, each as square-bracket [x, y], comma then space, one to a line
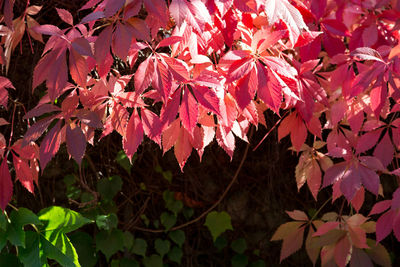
[50, 145]
[6, 185]
[267, 91]
[367, 53]
[169, 41]
[367, 141]
[78, 68]
[369, 179]
[76, 143]
[384, 225]
[48, 29]
[188, 111]
[112, 7]
[134, 135]
[36, 130]
[297, 215]
[384, 151]
[170, 135]
[245, 89]
[239, 69]
[380, 207]
[143, 75]
[298, 133]
[225, 140]
[335, 27]
[102, 45]
[65, 16]
[342, 251]
[325, 228]
[292, 243]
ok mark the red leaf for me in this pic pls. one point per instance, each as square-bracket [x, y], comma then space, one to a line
[335, 27]
[325, 228]
[207, 98]
[151, 125]
[112, 7]
[298, 133]
[225, 140]
[367, 53]
[143, 75]
[188, 111]
[170, 135]
[246, 89]
[367, 141]
[76, 143]
[183, 147]
[169, 41]
[50, 145]
[78, 68]
[48, 29]
[102, 45]
[292, 243]
[134, 135]
[369, 179]
[23, 173]
[65, 16]
[240, 69]
[36, 130]
[6, 185]
[122, 40]
[195, 13]
[268, 91]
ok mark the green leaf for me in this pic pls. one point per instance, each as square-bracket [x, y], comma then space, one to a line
[162, 246]
[188, 212]
[3, 239]
[220, 242]
[239, 245]
[153, 261]
[171, 203]
[30, 255]
[239, 260]
[62, 251]
[167, 176]
[259, 263]
[60, 219]
[124, 162]
[128, 240]
[175, 254]
[107, 222]
[128, 263]
[139, 247]
[110, 242]
[218, 222]
[168, 220]
[84, 246]
[3, 221]
[9, 260]
[178, 237]
[15, 230]
[109, 187]
[114, 263]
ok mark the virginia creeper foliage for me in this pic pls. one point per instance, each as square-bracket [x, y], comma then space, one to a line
[209, 69]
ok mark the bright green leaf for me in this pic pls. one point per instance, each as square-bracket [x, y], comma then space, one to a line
[63, 252]
[218, 222]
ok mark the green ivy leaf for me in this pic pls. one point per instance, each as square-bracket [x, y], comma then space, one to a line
[153, 261]
[168, 220]
[220, 242]
[259, 263]
[239, 260]
[139, 247]
[218, 222]
[123, 160]
[109, 187]
[239, 245]
[128, 240]
[107, 222]
[162, 246]
[171, 203]
[175, 254]
[3, 221]
[83, 244]
[128, 263]
[178, 237]
[110, 242]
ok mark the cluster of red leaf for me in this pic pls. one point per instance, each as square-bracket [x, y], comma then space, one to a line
[210, 69]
